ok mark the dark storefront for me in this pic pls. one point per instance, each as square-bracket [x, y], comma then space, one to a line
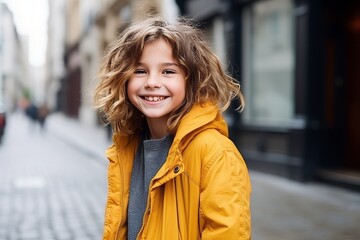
[298, 63]
[340, 161]
[69, 96]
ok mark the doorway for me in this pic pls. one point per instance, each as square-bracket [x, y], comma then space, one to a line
[352, 85]
[341, 157]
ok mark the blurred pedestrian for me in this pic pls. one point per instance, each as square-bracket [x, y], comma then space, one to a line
[2, 121]
[36, 114]
[42, 115]
[31, 112]
[173, 171]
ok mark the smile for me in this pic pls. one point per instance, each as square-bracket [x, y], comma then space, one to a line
[154, 99]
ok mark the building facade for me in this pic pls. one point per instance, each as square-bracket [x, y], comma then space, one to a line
[14, 71]
[296, 61]
[55, 67]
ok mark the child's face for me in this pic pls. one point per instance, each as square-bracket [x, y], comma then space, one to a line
[158, 85]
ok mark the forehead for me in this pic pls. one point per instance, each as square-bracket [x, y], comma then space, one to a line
[159, 47]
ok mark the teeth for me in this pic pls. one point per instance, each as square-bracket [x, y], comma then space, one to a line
[154, 99]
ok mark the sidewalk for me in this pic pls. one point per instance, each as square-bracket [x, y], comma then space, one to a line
[286, 210]
[281, 209]
[88, 139]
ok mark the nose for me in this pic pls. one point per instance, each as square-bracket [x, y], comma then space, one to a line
[153, 81]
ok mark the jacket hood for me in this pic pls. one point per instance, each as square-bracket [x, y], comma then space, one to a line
[200, 118]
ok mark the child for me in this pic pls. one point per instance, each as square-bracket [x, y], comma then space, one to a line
[173, 172]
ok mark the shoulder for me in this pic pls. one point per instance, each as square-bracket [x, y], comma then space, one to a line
[209, 146]
[212, 139]
[210, 156]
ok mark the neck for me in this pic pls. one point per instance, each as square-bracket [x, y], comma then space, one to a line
[157, 128]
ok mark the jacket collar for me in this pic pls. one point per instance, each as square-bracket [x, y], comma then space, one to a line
[201, 117]
[198, 119]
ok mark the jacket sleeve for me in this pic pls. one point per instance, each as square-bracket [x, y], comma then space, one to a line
[225, 198]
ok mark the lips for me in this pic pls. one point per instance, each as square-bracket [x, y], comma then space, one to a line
[154, 98]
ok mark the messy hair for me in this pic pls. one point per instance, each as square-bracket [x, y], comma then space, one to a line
[206, 80]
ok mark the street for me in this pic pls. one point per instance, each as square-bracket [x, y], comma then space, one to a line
[53, 186]
[48, 189]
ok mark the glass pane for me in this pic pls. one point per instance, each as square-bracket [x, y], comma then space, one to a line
[269, 63]
[216, 35]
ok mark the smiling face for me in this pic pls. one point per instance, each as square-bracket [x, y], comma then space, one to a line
[157, 86]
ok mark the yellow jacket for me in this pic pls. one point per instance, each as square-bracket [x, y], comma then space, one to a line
[201, 192]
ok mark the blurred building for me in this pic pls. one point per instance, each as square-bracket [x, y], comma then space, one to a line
[297, 61]
[14, 77]
[55, 67]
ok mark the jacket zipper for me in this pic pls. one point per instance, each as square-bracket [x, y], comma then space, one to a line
[147, 210]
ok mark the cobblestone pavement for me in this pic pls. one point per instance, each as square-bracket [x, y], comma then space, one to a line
[48, 189]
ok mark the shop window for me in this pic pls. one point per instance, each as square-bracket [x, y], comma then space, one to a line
[216, 34]
[268, 63]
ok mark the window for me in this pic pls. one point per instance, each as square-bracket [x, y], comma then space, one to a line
[268, 63]
[216, 34]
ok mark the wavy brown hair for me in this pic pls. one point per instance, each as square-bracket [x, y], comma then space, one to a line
[206, 80]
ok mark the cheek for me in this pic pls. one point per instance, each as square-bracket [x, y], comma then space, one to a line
[181, 90]
[131, 89]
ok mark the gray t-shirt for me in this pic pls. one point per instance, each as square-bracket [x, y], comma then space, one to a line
[149, 158]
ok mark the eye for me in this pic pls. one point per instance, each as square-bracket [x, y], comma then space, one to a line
[168, 71]
[140, 71]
